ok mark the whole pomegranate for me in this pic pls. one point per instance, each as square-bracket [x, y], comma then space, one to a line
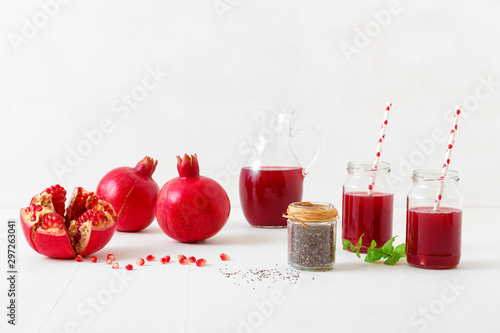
[87, 226]
[132, 192]
[191, 208]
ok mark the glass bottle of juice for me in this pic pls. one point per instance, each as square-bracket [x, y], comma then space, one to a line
[433, 236]
[363, 212]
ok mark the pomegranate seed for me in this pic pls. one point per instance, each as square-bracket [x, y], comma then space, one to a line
[93, 259]
[201, 262]
[181, 256]
[109, 261]
[33, 209]
[53, 221]
[58, 197]
[167, 258]
[93, 216]
[79, 258]
[191, 259]
[150, 258]
[140, 262]
[115, 265]
[129, 267]
[183, 261]
[111, 256]
[164, 260]
[224, 257]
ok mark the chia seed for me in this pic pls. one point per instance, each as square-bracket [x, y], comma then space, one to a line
[311, 247]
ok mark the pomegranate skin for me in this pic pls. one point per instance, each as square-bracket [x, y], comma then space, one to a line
[132, 193]
[97, 239]
[54, 246]
[192, 208]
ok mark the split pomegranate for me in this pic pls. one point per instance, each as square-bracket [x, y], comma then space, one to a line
[191, 208]
[132, 192]
[87, 226]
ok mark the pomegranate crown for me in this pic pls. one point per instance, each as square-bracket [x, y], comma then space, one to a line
[146, 166]
[188, 166]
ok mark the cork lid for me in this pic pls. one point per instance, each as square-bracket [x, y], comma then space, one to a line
[306, 212]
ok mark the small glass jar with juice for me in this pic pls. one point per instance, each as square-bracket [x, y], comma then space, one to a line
[433, 233]
[367, 212]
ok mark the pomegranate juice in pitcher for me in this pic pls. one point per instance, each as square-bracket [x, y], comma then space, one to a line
[272, 177]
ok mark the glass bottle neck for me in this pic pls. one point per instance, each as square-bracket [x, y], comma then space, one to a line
[424, 175]
[356, 167]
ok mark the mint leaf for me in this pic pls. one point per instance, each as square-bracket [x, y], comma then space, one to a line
[360, 240]
[348, 244]
[387, 249]
[372, 255]
[360, 244]
[400, 249]
[392, 260]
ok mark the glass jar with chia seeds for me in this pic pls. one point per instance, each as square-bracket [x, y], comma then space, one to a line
[312, 231]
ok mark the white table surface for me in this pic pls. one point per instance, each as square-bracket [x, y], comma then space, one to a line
[67, 296]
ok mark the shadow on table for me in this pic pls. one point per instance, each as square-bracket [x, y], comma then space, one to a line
[349, 267]
[259, 237]
[479, 264]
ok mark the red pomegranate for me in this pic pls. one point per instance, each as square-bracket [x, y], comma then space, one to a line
[87, 226]
[133, 193]
[192, 208]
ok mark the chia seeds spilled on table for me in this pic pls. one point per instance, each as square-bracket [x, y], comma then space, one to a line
[258, 275]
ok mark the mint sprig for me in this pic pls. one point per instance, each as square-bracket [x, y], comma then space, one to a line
[373, 253]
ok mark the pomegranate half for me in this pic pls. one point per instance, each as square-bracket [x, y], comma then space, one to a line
[86, 226]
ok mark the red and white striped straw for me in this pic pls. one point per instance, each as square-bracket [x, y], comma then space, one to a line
[446, 164]
[379, 147]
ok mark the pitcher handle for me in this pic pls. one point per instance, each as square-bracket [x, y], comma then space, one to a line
[293, 132]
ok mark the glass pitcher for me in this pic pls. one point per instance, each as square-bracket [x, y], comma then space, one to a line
[272, 177]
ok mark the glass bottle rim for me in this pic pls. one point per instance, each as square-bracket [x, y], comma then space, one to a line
[368, 166]
[420, 175]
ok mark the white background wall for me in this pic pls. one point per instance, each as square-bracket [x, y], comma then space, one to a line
[65, 69]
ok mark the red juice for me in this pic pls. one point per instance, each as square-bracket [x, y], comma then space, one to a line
[266, 192]
[370, 215]
[433, 238]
